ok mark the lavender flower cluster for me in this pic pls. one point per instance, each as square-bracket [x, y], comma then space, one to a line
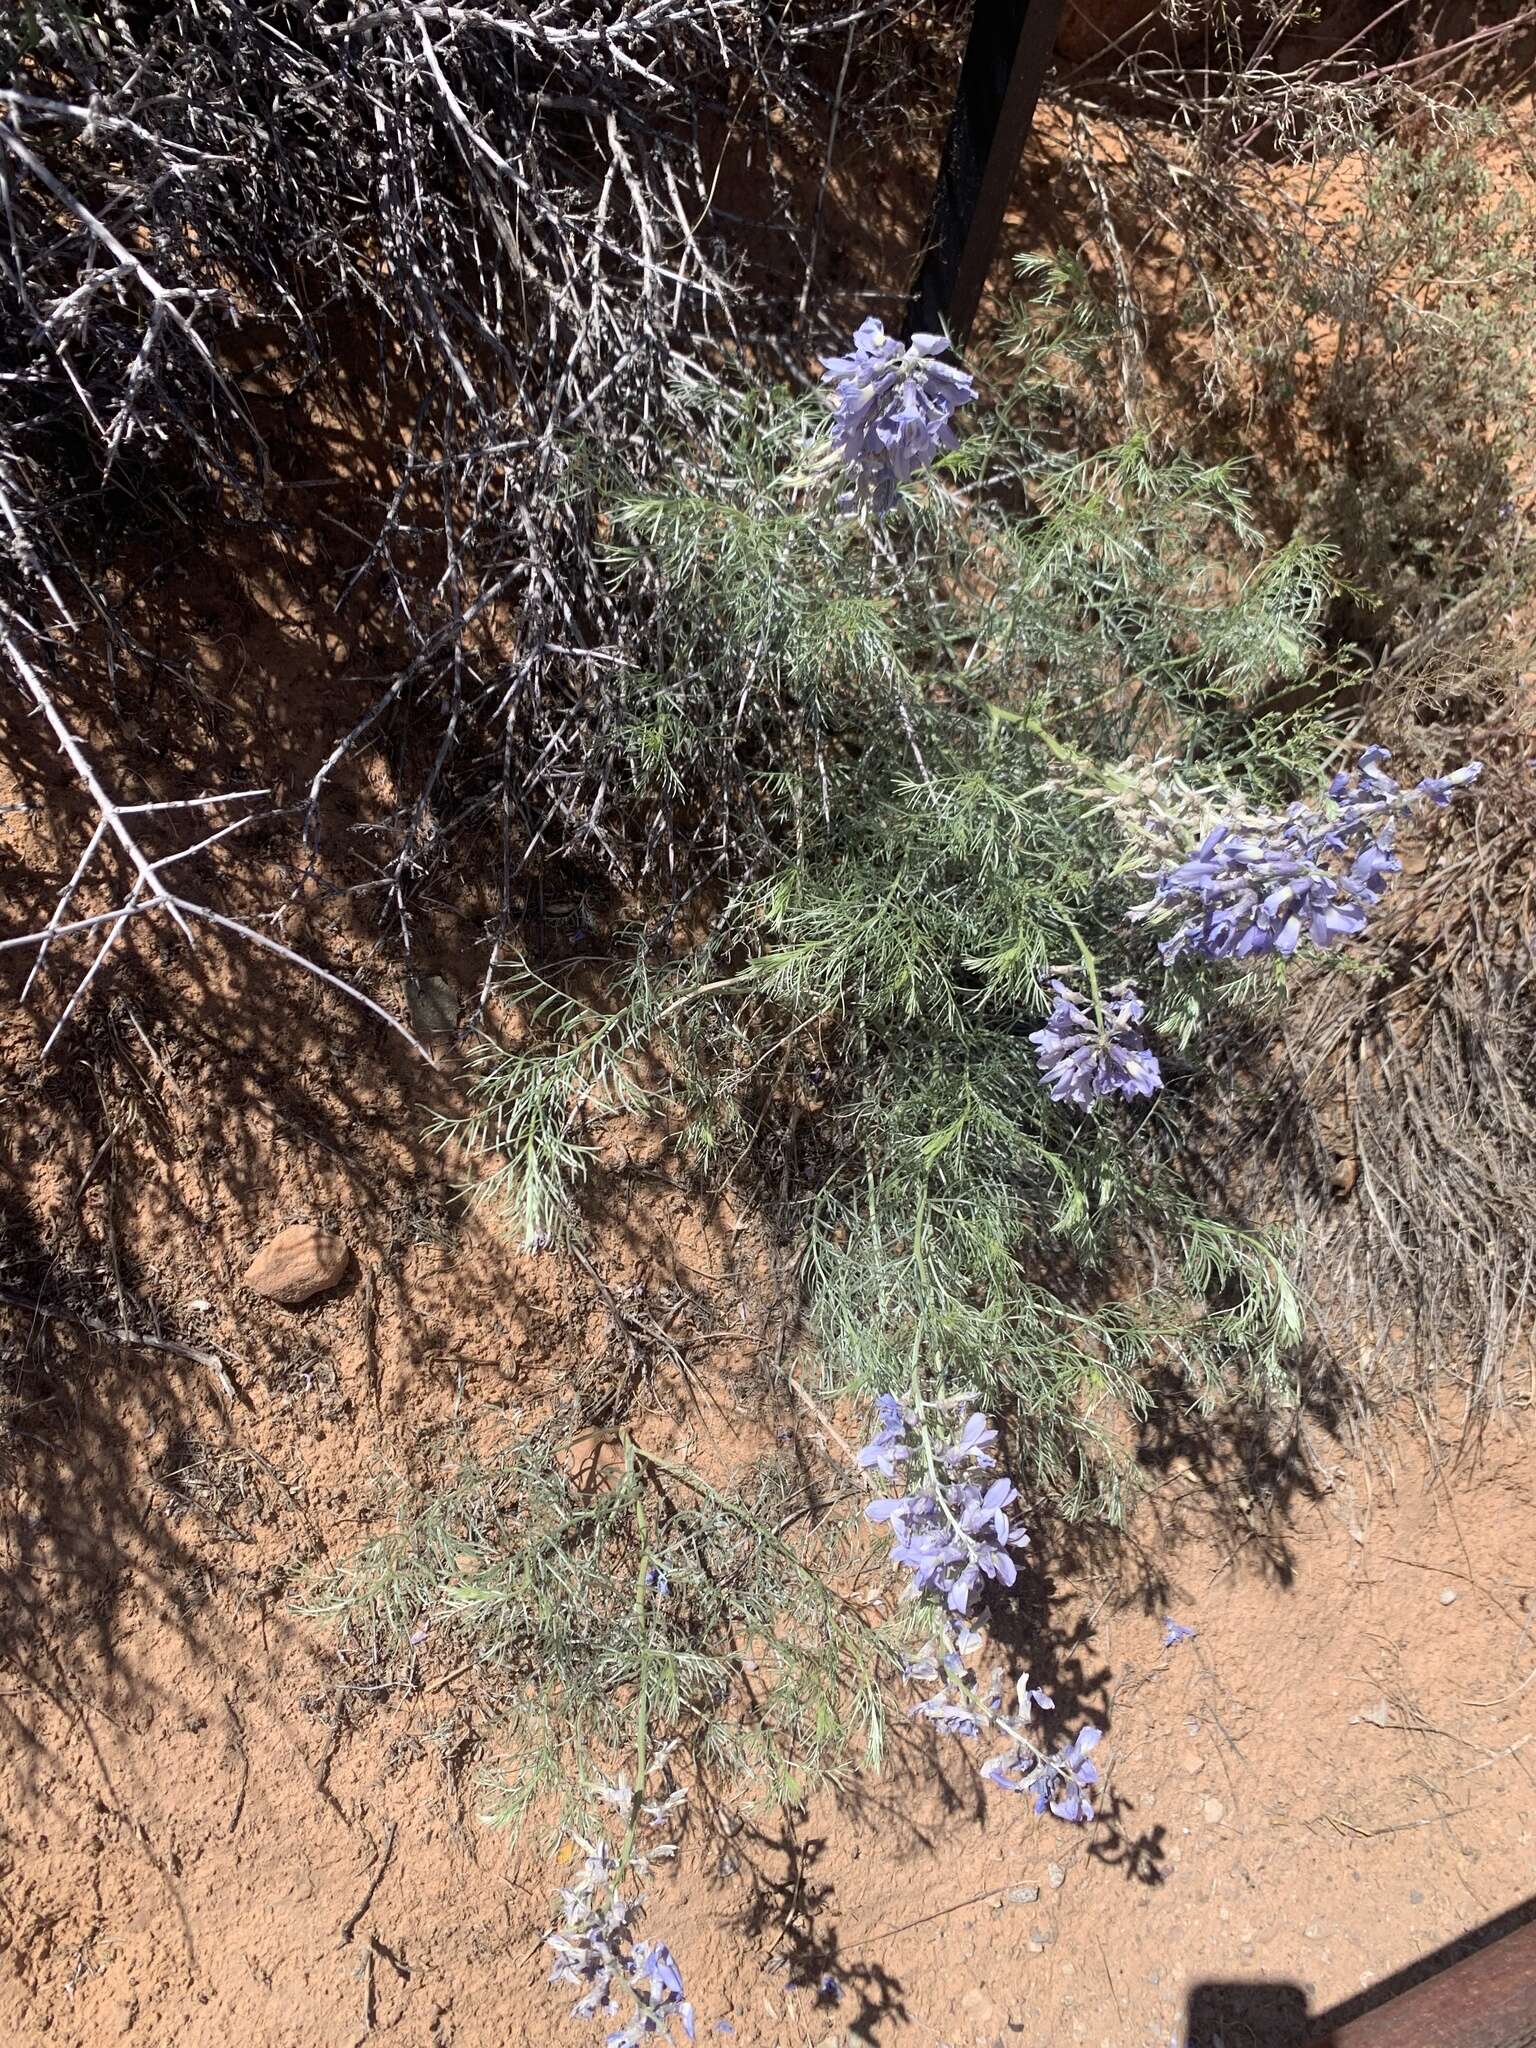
[892, 406]
[1061, 1784]
[595, 1950]
[1087, 1052]
[1316, 873]
[951, 1533]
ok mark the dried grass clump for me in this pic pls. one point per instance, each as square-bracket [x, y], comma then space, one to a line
[1330, 270]
[1400, 1112]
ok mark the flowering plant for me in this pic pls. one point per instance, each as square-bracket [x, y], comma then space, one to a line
[892, 402]
[954, 1536]
[1316, 872]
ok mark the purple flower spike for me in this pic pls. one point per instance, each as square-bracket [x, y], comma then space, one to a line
[892, 404]
[952, 1535]
[1085, 1057]
[1266, 885]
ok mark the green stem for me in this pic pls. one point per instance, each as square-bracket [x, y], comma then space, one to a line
[643, 1702]
[814, 1579]
[1090, 966]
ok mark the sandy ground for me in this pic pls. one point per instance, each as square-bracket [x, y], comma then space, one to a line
[213, 1833]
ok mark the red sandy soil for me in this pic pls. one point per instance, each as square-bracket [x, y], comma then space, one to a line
[200, 1847]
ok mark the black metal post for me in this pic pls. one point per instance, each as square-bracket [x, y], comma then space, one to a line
[1006, 58]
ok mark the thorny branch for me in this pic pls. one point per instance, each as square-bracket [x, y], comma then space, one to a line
[517, 213]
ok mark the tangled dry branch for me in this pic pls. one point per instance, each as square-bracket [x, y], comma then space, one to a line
[520, 213]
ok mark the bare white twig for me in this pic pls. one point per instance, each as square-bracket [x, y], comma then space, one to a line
[149, 891]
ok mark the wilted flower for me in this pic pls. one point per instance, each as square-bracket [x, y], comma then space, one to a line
[889, 1446]
[1087, 1052]
[1264, 885]
[1063, 1783]
[892, 406]
[1058, 1784]
[656, 1812]
[1041, 1698]
[593, 1950]
[922, 1669]
[655, 1978]
[1175, 1632]
[948, 1717]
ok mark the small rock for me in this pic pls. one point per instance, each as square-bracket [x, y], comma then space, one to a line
[1448, 1597]
[1379, 1716]
[1154, 1978]
[1055, 1876]
[1023, 1894]
[1314, 1930]
[297, 1264]
[1214, 1811]
[1191, 1763]
[1415, 1898]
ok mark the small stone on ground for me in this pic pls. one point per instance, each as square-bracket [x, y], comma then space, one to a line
[299, 1263]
